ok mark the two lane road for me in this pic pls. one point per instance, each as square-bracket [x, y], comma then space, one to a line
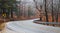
[27, 26]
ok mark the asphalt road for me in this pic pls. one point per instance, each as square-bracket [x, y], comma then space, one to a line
[27, 26]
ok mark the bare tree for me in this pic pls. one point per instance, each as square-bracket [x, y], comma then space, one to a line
[57, 11]
[29, 11]
[52, 12]
[39, 8]
[46, 11]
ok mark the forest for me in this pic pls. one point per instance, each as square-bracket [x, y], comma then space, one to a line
[46, 10]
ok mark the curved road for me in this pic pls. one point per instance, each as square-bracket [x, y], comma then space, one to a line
[27, 26]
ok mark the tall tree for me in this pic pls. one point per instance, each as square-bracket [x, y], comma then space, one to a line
[18, 12]
[29, 11]
[39, 8]
[13, 7]
[46, 11]
[57, 11]
[52, 12]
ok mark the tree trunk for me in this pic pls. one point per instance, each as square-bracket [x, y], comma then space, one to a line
[57, 17]
[57, 11]
[46, 12]
[11, 15]
[52, 12]
[40, 18]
